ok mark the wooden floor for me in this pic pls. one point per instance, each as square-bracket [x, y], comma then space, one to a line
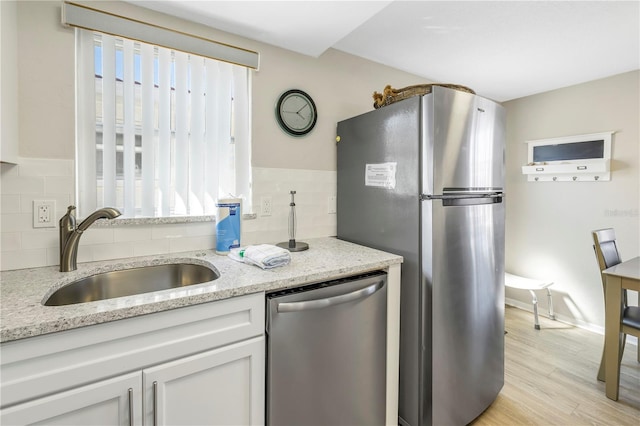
[550, 378]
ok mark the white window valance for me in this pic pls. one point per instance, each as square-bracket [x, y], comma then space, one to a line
[85, 17]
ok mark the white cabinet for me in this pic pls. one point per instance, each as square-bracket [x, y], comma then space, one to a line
[202, 364]
[9, 82]
[221, 387]
[218, 387]
[108, 402]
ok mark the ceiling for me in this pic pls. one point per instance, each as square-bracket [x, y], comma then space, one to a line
[501, 49]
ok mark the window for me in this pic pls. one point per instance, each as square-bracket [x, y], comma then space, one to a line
[160, 132]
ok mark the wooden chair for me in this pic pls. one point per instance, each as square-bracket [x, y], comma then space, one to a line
[607, 255]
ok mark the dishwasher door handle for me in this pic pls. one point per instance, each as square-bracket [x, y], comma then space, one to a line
[329, 301]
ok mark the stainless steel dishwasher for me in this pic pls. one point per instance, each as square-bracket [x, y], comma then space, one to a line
[326, 353]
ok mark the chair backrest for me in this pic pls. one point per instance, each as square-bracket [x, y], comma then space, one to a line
[604, 244]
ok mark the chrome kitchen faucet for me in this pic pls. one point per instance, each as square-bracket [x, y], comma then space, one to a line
[70, 234]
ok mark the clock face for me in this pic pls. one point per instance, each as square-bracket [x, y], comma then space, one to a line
[296, 112]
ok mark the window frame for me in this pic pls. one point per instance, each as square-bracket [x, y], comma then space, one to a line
[84, 169]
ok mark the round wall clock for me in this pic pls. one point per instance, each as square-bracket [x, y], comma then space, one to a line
[296, 112]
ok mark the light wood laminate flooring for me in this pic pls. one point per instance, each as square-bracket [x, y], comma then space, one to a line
[550, 378]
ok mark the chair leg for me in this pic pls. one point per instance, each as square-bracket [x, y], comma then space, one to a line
[601, 369]
[623, 339]
[536, 323]
[552, 315]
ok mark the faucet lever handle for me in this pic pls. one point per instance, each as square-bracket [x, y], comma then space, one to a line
[68, 221]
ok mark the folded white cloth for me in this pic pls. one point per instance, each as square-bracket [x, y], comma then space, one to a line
[266, 256]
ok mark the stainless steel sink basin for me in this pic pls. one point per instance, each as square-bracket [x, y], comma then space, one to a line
[127, 282]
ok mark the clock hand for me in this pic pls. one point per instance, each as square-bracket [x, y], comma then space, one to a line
[303, 107]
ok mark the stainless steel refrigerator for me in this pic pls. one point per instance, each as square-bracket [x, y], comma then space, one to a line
[424, 178]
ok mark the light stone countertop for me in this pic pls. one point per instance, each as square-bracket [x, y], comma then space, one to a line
[23, 291]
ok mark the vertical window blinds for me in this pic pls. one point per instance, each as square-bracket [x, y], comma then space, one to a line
[161, 132]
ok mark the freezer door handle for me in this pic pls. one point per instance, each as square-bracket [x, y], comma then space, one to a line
[329, 301]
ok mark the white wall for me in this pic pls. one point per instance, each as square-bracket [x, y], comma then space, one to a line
[341, 86]
[549, 224]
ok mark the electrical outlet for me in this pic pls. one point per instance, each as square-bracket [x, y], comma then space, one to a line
[44, 212]
[331, 204]
[265, 206]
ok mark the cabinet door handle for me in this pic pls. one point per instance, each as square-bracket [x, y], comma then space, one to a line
[155, 403]
[130, 407]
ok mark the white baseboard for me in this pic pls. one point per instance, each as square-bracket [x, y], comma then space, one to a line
[565, 319]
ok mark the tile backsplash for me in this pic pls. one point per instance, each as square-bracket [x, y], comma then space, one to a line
[23, 246]
[313, 189]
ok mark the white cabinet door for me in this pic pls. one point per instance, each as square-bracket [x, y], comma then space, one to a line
[9, 85]
[219, 387]
[108, 402]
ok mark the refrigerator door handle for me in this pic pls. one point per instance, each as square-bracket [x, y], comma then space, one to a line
[425, 197]
[329, 301]
[465, 199]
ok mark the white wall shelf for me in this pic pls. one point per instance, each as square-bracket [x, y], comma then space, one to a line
[570, 159]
